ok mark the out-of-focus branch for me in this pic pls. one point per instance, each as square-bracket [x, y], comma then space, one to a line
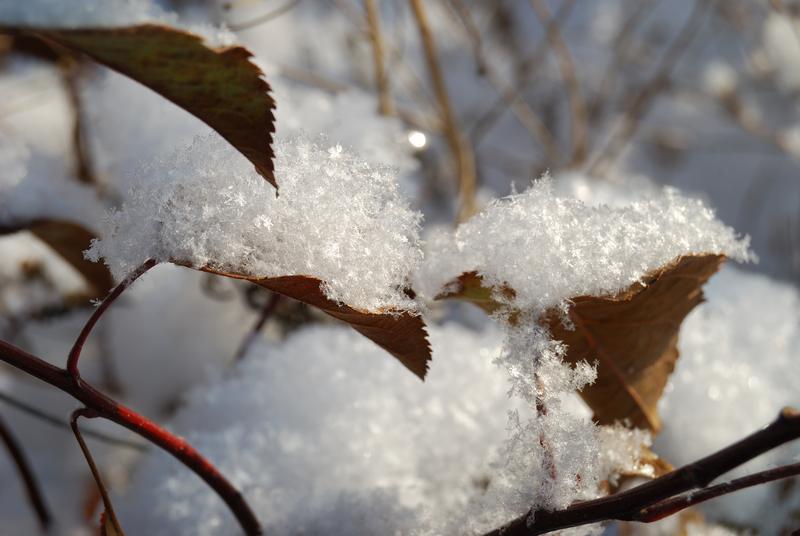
[32, 488]
[262, 19]
[627, 126]
[266, 312]
[376, 39]
[310, 78]
[461, 151]
[36, 413]
[526, 69]
[526, 116]
[84, 170]
[577, 105]
[662, 496]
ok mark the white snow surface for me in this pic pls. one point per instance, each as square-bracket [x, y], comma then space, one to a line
[327, 434]
[550, 248]
[738, 368]
[336, 218]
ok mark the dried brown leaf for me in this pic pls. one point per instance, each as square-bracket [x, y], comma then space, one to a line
[400, 333]
[220, 86]
[633, 335]
[69, 240]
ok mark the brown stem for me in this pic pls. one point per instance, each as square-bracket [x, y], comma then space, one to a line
[32, 488]
[641, 103]
[109, 516]
[526, 69]
[113, 411]
[462, 153]
[385, 106]
[526, 116]
[261, 19]
[269, 308]
[676, 504]
[578, 117]
[84, 170]
[628, 504]
[75, 353]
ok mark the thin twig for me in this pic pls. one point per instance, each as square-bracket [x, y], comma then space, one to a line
[269, 308]
[676, 504]
[578, 115]
[627, 505]
[84, 170]
[32, 488]
[75, 352]
[109, 516]
[266, 17]
[139, 424]
[385, 106]
[58, 423]
[625, 129]
[462, 152]
[526, 116]
[525, 70]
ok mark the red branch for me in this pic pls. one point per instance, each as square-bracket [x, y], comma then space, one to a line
[657, 498]
[75, 353]
[113, 411]
[68, 380]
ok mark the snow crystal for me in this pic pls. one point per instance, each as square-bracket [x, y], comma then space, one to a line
[327, 435]
[550, 248]
[336, 218]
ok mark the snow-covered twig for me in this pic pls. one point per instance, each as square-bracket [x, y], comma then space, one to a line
[656, 499]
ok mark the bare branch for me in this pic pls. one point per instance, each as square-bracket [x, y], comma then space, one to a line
[385, 106]
[462, 152]
[110, 515]
[578, 116]
[32, 487]
[627, 126]
[632, 504]
[526, 116]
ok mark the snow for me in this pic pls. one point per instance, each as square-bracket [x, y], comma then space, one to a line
[550, 248]
[332, 436]
[336, 218]
[738, 368]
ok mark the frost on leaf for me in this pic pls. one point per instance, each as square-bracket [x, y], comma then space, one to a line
[632, 335]
[221, 86]
[69, 240]
[340, 236]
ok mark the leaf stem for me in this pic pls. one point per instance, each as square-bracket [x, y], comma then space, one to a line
[75, 353]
